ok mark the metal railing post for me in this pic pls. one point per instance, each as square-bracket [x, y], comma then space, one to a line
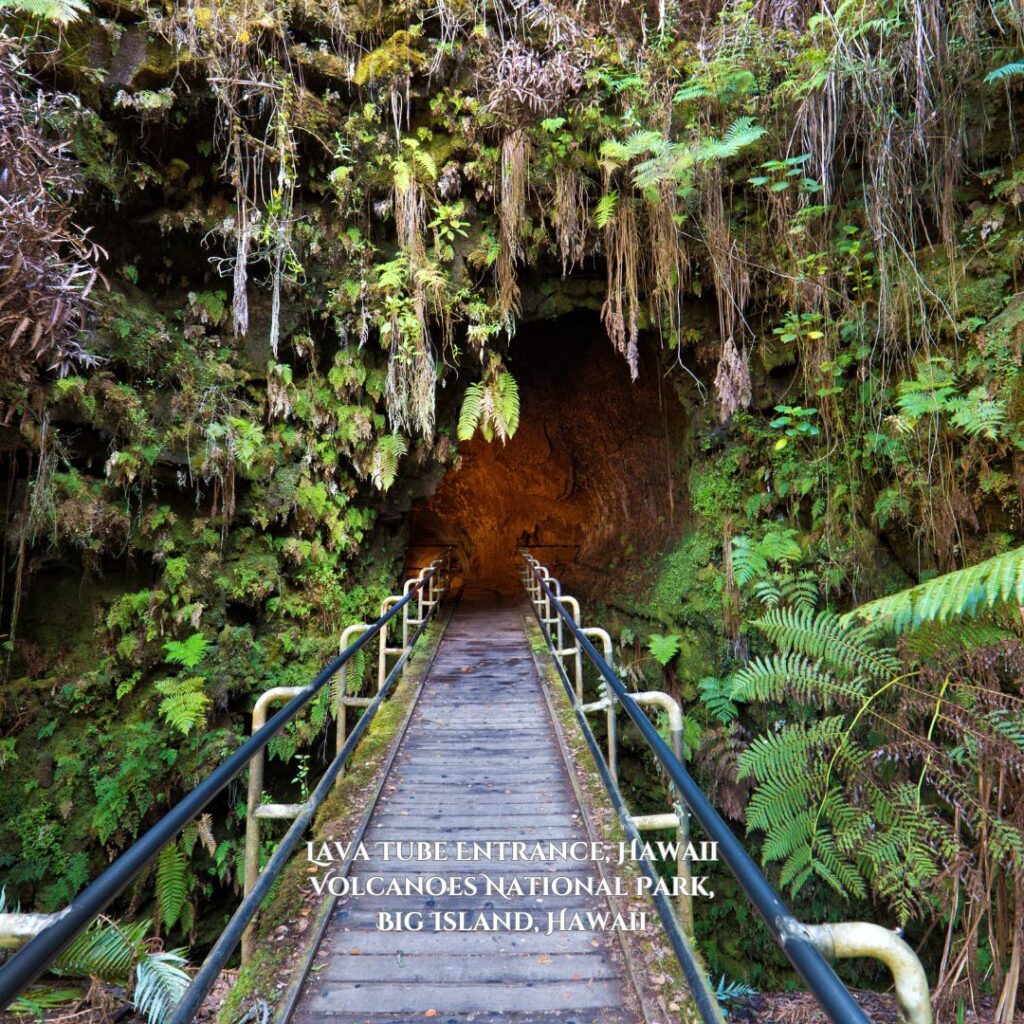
[274, 695]
[607, 701]
[680, 818]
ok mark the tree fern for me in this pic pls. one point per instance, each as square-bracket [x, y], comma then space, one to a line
[788, 674]
[956, 595]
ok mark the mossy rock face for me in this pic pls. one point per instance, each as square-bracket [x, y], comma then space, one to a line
[142, 61]
[326, 65]
[86, 45]
[396, 57]
[552, 297]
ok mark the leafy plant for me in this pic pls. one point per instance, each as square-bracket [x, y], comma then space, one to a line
[386, 455]
[61, 12]
[184, 703]
[188, 653]
[110, 951]
[171, 884]
[716, 696]
[752, 558]
[966, 593]
[663, 648]
[878, 790]
[490, 405]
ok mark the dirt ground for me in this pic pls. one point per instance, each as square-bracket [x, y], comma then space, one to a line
[801, 1008]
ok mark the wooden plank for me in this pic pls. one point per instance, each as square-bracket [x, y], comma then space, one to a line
[389, 996]
[470, 968]
[479, 762]
[367, 939]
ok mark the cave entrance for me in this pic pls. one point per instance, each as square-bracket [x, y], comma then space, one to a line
[594, 476]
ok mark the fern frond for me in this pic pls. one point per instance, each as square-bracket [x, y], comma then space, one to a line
[160, 982]
[106, 950]
[472, 407]
[185, 703]
[834, 641]
[171, 884]
[384, 462]
[61, 12]
[604, 212]
[784, 756]
[1006, 71]
[773, 678]
[507, 406]
[965, 593]
[740, 134]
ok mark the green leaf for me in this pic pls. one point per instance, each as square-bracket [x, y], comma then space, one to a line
[187, 652]
[663, 648]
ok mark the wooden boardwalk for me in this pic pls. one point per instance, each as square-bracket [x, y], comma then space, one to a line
[480, 761]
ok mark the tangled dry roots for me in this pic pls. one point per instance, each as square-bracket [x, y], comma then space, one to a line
[48, 266]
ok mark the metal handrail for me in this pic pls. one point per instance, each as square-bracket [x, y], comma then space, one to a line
[834, 998]
[35, 956]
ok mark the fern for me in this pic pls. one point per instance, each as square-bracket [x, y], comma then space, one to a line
[171, 884]
[781, 675]
[963, 594]
[110, 951]
[1006, 71]
[61, 12]
[185, 703]
[751, 558]
[507, 406]
[848, 649]
[740, 134]
[160, 983]
[106, 950]
[604, 212]
[977, 413]
[663, 648]
[716, 696]
[490, 405]
[187, 653]
[384, 463]
[472, 408]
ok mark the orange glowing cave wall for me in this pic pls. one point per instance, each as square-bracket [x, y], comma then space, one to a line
[596, 469]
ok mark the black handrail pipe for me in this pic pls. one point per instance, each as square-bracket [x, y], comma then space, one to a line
[839, 1005]
[229, 938]
[34, 957]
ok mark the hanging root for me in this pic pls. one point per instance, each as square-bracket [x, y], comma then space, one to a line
[515, 165]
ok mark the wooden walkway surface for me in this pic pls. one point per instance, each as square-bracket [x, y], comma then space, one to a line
[480, 761]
